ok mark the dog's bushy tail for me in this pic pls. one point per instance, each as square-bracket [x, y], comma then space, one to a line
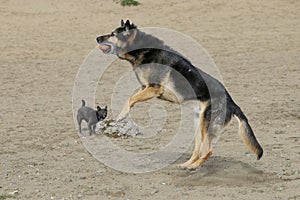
[247, 134]
[83, 103]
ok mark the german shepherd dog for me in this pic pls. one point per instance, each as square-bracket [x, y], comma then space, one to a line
[167, 75]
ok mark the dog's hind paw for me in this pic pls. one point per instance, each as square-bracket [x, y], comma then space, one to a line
[186, 167]
[181, 166]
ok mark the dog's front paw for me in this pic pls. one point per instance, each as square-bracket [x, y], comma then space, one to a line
[121, 116]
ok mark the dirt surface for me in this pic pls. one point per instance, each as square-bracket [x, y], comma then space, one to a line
[255, 45]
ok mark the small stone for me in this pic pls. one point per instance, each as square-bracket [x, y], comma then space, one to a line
[154, 191]
[115, 129]
[14, 192]
[66, 145]
[100, 171]
[112, 124]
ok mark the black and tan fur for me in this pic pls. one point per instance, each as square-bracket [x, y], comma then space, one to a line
[167, 75]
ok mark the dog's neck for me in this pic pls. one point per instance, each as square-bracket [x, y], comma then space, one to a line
[147, 41]
[140, 45]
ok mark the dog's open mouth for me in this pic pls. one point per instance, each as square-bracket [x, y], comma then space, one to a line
[106, 48]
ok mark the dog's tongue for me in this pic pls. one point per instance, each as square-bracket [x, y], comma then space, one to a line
[103, 47]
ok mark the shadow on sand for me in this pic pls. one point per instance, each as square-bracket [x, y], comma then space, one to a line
[223, 171]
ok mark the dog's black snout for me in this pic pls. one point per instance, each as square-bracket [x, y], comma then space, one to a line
[100, 39]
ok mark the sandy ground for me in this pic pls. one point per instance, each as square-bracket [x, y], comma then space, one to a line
[255, 44]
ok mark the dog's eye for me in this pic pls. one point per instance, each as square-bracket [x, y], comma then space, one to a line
[112, 34]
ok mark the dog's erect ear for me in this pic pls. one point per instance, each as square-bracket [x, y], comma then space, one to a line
[105, 108]
[133, 26]
[127, 24]
[127, 28]
[98, 108]
[122, 23]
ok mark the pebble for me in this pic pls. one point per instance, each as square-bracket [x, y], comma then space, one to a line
[101, 171]
[280, 189]
[114, 129]
[154, 191]
[112, 123]
[14, 192]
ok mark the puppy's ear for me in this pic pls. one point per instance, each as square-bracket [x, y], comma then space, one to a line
[105, 108]
[98, 108]
[122, 23]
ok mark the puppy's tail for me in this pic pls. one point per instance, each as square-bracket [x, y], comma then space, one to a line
[247, 134]
[83, 103]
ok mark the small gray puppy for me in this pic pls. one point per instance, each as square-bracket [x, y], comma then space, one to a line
[91, 116]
